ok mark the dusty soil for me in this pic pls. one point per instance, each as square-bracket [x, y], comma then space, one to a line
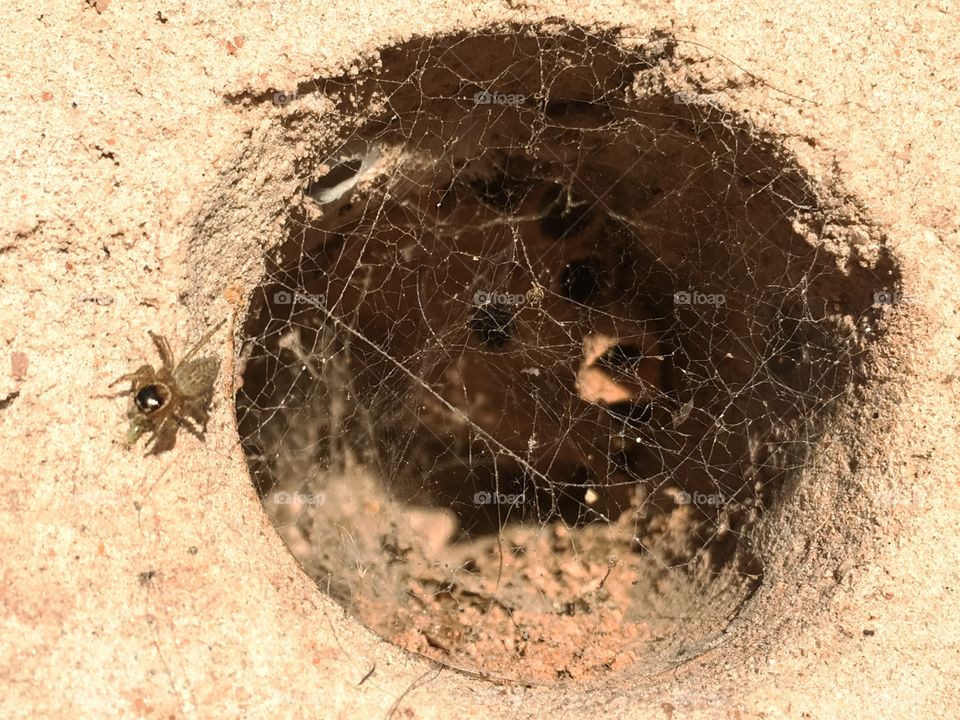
[531, 603]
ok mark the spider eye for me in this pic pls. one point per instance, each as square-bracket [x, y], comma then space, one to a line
[149, 399]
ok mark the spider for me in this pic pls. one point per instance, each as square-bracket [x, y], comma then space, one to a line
[169, 398]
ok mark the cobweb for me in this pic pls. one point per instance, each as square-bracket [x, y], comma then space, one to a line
[548, 338]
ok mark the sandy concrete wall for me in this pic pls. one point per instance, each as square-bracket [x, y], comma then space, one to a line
[156, 587]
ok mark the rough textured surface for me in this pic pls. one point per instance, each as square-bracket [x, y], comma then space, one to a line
[156, 587]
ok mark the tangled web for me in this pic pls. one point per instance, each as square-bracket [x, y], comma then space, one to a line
[545, 343]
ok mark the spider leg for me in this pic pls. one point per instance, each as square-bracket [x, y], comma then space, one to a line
[199, 411]
[197, 431]
[203, 340]
[129, 376]
[163, 438]
[163, 347]
[143, 373]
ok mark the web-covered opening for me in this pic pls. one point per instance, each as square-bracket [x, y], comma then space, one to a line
[544, 344]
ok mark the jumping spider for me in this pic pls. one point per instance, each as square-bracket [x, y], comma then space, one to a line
[169, 398]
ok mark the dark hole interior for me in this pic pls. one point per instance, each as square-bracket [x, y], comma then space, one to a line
[580, 280]
[491, 323]
[550, 364]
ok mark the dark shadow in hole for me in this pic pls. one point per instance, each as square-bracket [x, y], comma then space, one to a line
[631, 412]
[565, 217]
[492, 323]
[697, 225]
[622, 357]
[506, 190]
[581, 280]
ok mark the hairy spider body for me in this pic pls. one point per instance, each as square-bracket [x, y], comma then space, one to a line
[171, 397]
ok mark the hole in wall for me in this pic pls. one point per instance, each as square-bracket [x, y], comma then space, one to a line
[540, 353]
